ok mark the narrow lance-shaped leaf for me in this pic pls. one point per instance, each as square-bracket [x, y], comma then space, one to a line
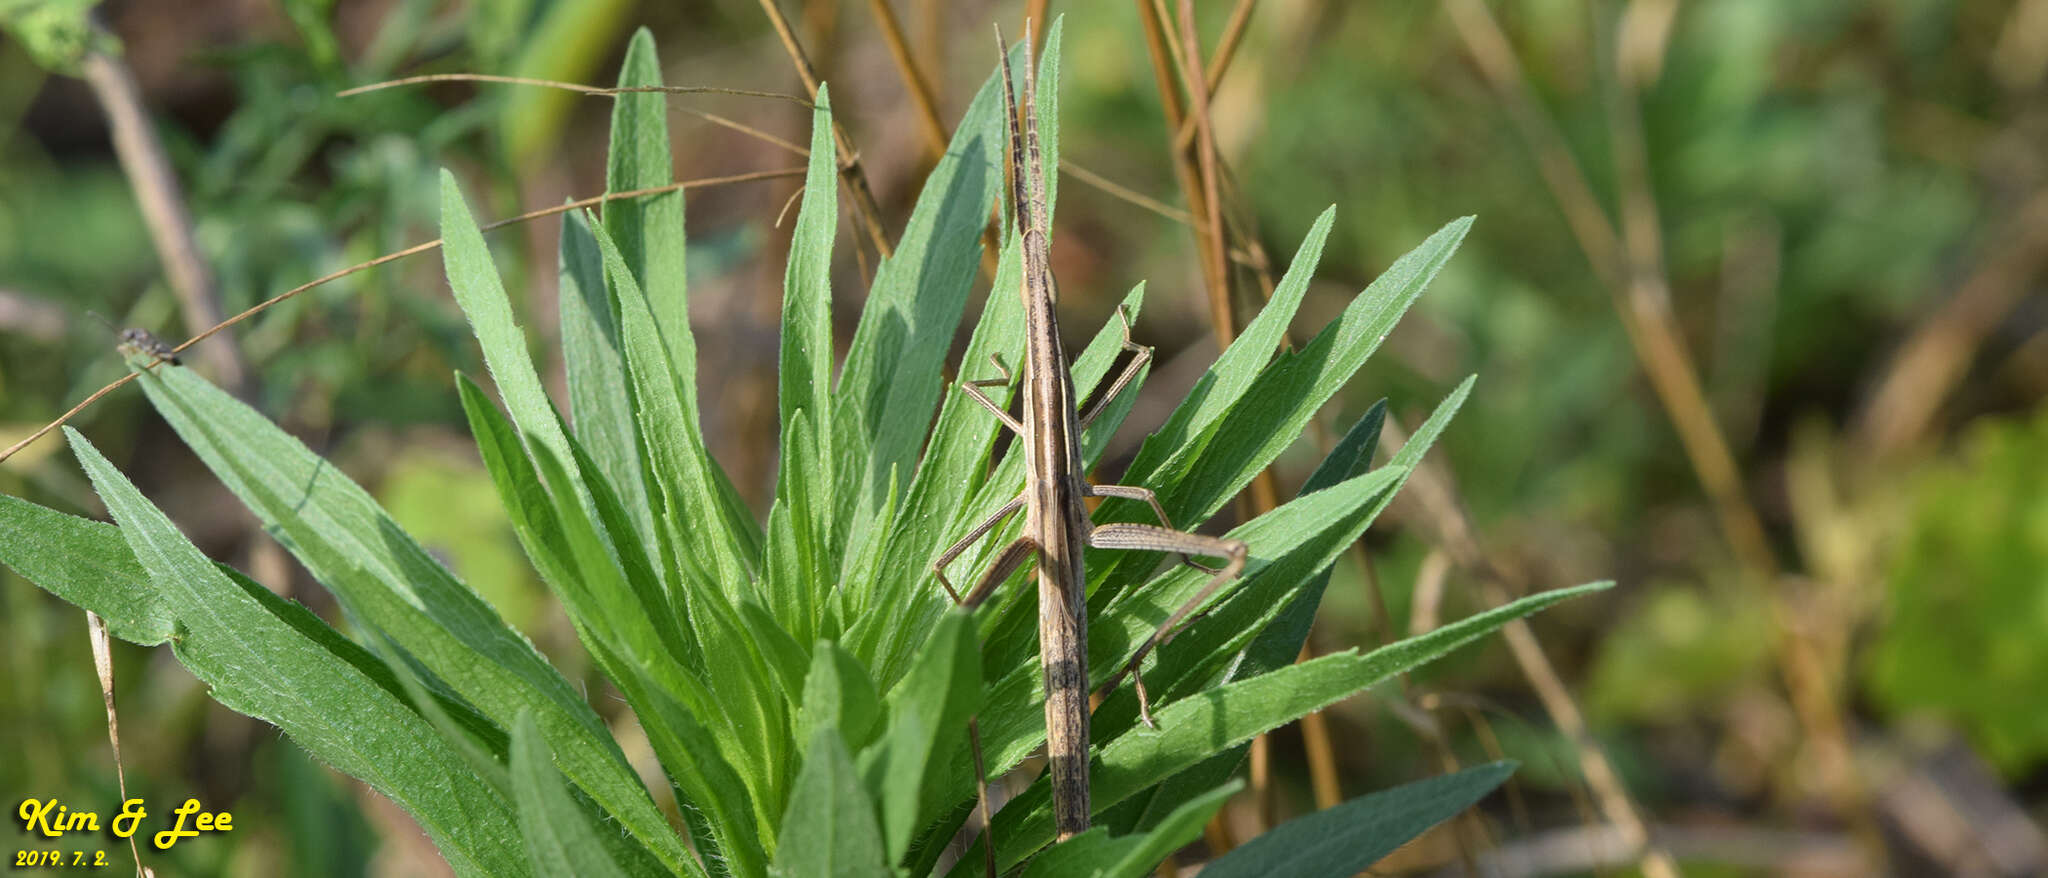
[927, 714]
[1342, 841]
[1289, 541]
[1193, 728]
[559, 837]
[1276, 645]
[89, 564]
[260, 666]
[481, 293]
[1231, 375]
[830, 830]
[804, 381]
[892, 375]
[388, 581]
[804, 394]
[716, 547]
[838, 694]
[649, 229]
[1094, 853]
[1203, 471]
[955, 462]
[1228, 627]
[600, 397]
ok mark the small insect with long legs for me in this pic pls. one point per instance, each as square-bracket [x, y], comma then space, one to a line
[137, 340]
[1057, 527]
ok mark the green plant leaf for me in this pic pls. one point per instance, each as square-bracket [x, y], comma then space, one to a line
[830, 827]
[1094, 853]
[838, 694]
[927, 714]
[800, 588]
[804, 380]
[1232, 374]
[559, 837]
[891, 378]
[87, 563]
[1227, 628]
[628, 613]
[1194, 728]
[1289, 544]
[955, 461]
[716, 549]
[261, 666]
[388, 582]
[733, 828]
[481, 293]
[1349, 838]
[1195, 477]
[649, 229]
[1277, 644]
[600, 397]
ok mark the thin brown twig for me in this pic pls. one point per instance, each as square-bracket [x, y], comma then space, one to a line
[572, 86]
[1226, 51]
[849, 158]
[1175, 67]
[906, 66]
[1118, 190]
[1321, 751]
[413, 250]
[934, 129]
[745, 129]
[1159, 47]
[1222, 318]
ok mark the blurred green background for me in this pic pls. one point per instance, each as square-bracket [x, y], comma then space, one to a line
[1754, 297]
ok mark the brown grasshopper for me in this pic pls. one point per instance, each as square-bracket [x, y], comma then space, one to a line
[1056, 525]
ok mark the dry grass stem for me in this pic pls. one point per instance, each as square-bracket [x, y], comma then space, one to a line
[850, 170]
[920, 88]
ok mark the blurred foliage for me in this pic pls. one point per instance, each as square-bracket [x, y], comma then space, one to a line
[57, 32]
[1679, 652]
[1967, 596]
